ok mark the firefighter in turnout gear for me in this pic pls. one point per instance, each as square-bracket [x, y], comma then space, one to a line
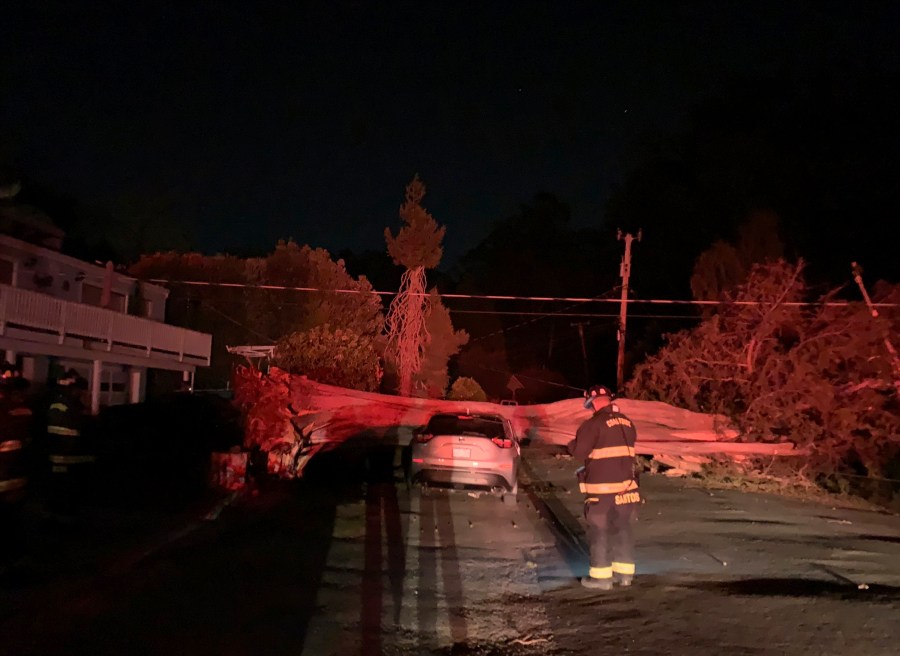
[605, 444]
[69, 457]
[15, 433]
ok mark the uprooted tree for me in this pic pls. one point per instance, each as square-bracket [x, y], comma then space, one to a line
[417, 247]
[789, 367]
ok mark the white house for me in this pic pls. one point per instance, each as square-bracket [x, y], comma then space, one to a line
[61, 311]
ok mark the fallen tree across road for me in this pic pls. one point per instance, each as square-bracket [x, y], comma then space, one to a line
[291, 417]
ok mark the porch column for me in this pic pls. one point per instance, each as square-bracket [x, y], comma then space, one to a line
[34, 369]
[96, 374]
[10, 357]
[135, 385]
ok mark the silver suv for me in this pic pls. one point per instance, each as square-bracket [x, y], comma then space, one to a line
[469, 449]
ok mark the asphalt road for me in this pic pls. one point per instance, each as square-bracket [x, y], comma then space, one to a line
[360, 565]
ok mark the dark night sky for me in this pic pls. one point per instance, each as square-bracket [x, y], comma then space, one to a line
[267, 120]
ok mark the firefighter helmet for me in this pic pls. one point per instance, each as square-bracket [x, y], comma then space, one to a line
[596, 391]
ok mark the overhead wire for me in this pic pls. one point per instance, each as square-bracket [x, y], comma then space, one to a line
[585, 315]
[531, 321]
[503, 297]
[549, 313]
[237, 323]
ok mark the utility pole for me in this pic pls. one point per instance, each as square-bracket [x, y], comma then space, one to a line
[625, 272]
[584, 361]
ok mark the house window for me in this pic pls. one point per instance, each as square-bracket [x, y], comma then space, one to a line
[7, 270]
[93, 295]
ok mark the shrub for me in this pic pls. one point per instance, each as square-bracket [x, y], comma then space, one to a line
[466, 389]
[331, 356]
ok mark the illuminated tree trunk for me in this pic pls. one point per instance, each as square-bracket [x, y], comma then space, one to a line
[407, 335]
[416, 247]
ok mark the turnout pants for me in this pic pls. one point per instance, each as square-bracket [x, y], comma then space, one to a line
[610, 519]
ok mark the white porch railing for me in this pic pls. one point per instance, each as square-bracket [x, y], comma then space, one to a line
[21, 308]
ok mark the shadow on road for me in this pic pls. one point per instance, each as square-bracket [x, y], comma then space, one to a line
[797, 587]
[893, 539]
[383, 526]
[438, 557]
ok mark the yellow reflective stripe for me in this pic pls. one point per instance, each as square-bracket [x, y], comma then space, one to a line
[13, 484]
[62, 430]
[612, 452]
[70, 460]
[10, 445]
[607, 488]
[601, 572]
[623, 568]
[62, 407]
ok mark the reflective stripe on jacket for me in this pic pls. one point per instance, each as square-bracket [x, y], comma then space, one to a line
[57, 459]
[63, 430]
[605, 443]
[12, 467]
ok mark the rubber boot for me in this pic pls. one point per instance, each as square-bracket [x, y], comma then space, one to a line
[596, 584]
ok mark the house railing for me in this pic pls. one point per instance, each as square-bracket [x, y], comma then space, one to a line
[21, 308]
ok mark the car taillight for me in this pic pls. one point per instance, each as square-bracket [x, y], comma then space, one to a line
[502, 442]
[421, 438]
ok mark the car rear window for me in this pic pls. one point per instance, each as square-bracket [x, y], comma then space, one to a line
[453, 425]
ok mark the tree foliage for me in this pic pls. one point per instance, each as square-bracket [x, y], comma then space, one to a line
[416, 247]
[331, 356]
[718, 269]
[466, 389]
[722, 267]
[254, 315]
[281, 312]
[418, 244]
[265, 402]
[445, 342]
[815, 374]
[211, 309]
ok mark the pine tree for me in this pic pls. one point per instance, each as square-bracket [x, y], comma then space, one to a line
[444, 342]
[417, 247]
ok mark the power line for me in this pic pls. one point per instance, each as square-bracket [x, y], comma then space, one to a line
[588, 315]
[531, 321]
[525, 313]
[585, 315]
[238, 323]
[526, 377]
[501, 297]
